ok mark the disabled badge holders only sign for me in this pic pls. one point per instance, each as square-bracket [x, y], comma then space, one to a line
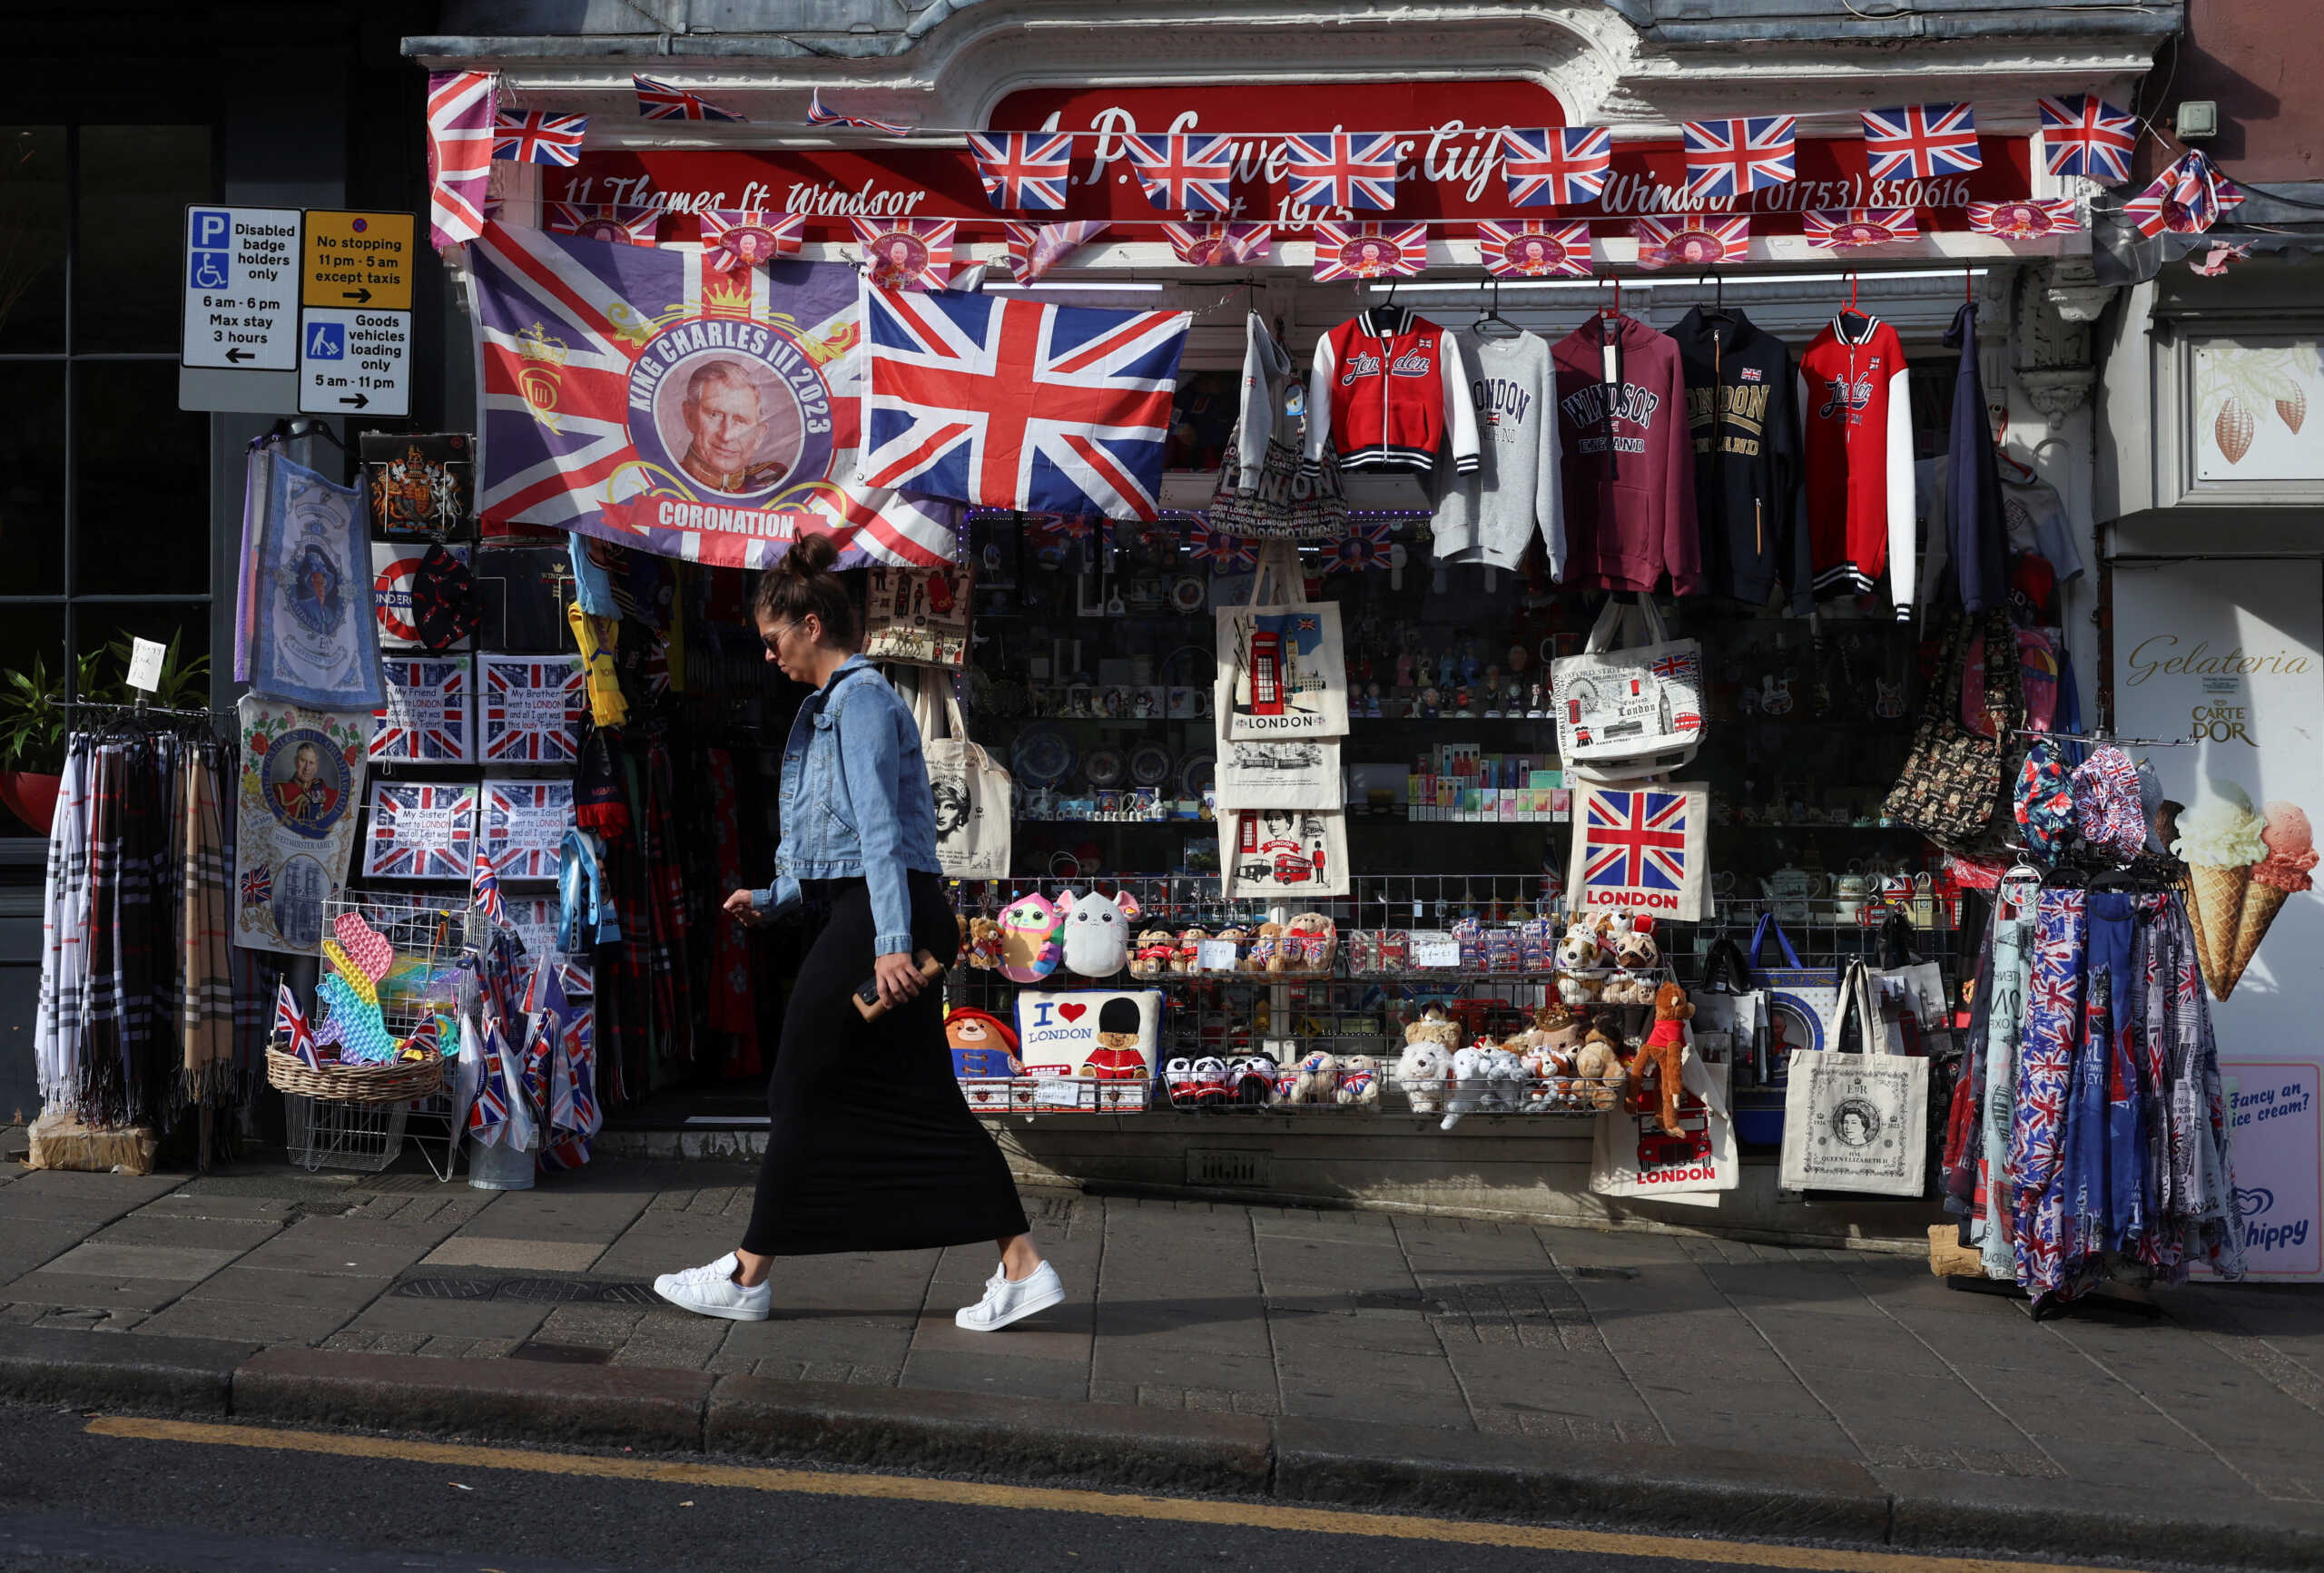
[355, 327]
[241, 273]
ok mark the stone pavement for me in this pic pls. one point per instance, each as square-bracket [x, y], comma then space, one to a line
[1437, 1324]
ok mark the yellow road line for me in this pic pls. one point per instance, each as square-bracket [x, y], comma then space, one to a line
[1105, 1504]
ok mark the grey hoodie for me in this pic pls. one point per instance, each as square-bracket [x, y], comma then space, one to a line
[1492, 514]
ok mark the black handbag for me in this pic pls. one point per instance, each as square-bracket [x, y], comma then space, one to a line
[1954, 779]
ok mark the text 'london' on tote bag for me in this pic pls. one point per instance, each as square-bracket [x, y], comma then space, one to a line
[1856, 1121]
[1282, 667]
[972, 793]
[1636, 710]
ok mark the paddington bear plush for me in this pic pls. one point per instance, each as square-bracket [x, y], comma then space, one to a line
[1664, 1052]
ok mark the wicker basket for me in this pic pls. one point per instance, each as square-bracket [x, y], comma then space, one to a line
[400, 1081]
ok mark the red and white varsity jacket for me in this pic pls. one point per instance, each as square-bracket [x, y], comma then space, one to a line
[1856, 417]
[1387, 388]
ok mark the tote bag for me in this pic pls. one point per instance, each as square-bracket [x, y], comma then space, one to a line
[1634, 711]
[1857, 1121]
[1282, 854]
[972, 793]
[1282, 670]
[919, 616]
[1803, 1003]
[1292, 501]
[1295, 773]
[1632, 1154]
[1951, 785]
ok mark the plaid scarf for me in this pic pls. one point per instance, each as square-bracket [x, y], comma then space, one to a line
[64, 929]
[133, 920]
[208, 1074]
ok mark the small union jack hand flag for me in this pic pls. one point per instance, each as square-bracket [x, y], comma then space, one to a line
[1835, 227]
[2085, 136]
[1921, 142]
[486, 887]
[818, 115]
[659, 101]
[1343, 169]
[2186, 199]
[1557, 165]
[1027, 170]
[538, 137]
[291, 1022]
[1185, 174]
[1730, 158]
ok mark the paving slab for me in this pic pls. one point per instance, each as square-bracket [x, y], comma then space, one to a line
[491, 1251]
[181, 1263]
[276, 1287]
[452, 1318]
[270, 1322]
[67, 1197]
[356, 1247]
[74, 1289]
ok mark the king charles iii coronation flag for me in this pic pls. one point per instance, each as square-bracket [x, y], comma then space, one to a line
[1010, 403]
[638, 394]
[1035, 249]
[1534, 249]
[1691, 240]
[1369, 252]
[734, 239]
[459, 154]
[2026, 219]
[1219, 245]
[1831, 228]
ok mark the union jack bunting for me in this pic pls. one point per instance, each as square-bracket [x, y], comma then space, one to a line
[659, 101]
[1343, 169]
[484, 889]
[2085, 136]
[1219, 245]
[2186, 199]
[525, 823]
[572, 329]
[1185, 174]
[422, 831]
[1017, 404]
[1369, 252]
[2024, 219]
[1921, 142]
[459, 154]
[818, 115]
[1228, 553]
[1688, 240]
[1556, 166]
[291, 1021]
[1639, 849]
[1035, 249]
[735, 239]
[1025, 170]
[1535, 248]
[426, 717]
[535, 136]
[1365, 546]
[1828, 228]
[1731, 158]
[622, 225]
[906, 253]
[258, 887]
[532, 709]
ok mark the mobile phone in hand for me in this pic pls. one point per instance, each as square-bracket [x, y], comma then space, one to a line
[868, 1003]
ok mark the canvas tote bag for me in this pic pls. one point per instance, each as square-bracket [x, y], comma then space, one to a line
[1632, 711]
[972, 793]
[1282, 668]
[1291, 501]
[1631, 1155]
[1857, 1121]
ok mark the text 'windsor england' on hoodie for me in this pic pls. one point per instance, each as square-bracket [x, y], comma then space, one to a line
[1628, 467]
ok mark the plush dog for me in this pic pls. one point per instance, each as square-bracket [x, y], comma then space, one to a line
[1504, 1075]
[1636, 951]
[1663, 1054]
[1359, 1081]
[1583, 947]
[1469, 1087]
[1427, 1062]
[1551, 1044]
[1599, 1068]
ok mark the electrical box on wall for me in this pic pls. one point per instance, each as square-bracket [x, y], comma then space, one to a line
[2195, 119]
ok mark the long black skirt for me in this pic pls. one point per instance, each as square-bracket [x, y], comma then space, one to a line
[873, 1149]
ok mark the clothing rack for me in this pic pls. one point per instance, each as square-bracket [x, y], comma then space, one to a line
[2104, 739]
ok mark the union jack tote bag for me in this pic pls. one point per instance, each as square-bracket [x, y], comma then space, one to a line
[1631, 711]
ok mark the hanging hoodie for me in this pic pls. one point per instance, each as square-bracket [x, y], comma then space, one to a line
[1740, 410]
[1386, 388]
[1856, 415]
[1265, 411]
[1976, 531]
[1628, 468]
[1493, 513]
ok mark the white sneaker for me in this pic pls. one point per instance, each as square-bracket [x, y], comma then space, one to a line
[1005, 1302]
[711, 1291]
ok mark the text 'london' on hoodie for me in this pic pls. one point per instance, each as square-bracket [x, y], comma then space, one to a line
[1387, 388]
[1744, 424]
[1628, 467]
[1492, 514]
[1856, 413]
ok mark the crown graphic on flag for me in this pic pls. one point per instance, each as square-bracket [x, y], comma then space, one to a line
[1556, 166]
[659, 101]
[736, 238]
[1535, 248]
[2024, 219]
[624, 226]
[1921, 142]
[1026, 171]
[1185, 174]
[538, 137]
[1690, 240]
[1219, 245]
[1731, 158]
[2085, 136]
[1035, 249]
[1369, 252]
[1343, 169]
[1829, 228]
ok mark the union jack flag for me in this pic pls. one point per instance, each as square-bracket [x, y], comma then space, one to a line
[485, 888]
[426, 717]
[538, 137]
[1219, 245]
[1691, 240]
[818, 115]
[459, 154]
[532, 709]
[622, 225]
[1556, 166]
[1369, 252]
[1035, 249]
[1365, 546]
[735, 239]
[1343, 169]
[659, 101]
[1230, 553]
[291, 1022]
[258, 887]
[2085, 136]
[1635, 840]
[422, 831]
[1833, 227]
[2025, 218]
[1921, 142]
[1730, 158]
[1017, 404]
[2186, 199]
[544, 1004]
[1185, 174]
[489, 1115]
[574, 1115]
[1535, 248]
[1025, 170]
[906, 253]
[525, 823]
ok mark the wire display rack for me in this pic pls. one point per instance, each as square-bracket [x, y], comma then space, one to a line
[320, 1133]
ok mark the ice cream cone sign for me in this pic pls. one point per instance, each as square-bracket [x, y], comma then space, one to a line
[2242, 865]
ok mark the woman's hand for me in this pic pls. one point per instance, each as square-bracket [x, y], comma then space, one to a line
[897, 978]
[741, 905]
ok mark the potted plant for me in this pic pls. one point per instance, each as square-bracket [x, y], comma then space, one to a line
[31, 739]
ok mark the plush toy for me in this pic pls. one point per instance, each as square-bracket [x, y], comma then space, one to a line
[1155, 951]
[1189, 944]
[1029, 946]
[1317, 938]
[1178, 1080]
[1635, 949]
[1575, 989]
[1504, 1075]
[1095, 931]
[1422, 1071]
[1664, 1054]
[982, 950]
[1210, 1080]
[1550, 1045]
[1469, 1087]
[1318, 1079]
[1359, 1080]
[982, 1044]
[1242, 943]
[1598, 1067]
[1626, 988]
[1254, 1080]
[1260, 955]
[1582, 947]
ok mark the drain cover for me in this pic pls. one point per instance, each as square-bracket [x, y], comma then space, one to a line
[531, 1291]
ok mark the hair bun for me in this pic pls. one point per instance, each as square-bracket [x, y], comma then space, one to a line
[810, 556]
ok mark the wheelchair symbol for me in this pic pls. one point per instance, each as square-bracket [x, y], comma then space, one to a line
[209, 270]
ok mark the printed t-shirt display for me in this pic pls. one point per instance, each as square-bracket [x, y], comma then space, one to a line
[1629, 478]
[1740, 387]
[1386, 388]
[1856, 414]
[1490, 515]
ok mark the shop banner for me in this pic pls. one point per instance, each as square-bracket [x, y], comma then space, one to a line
[2229, 656]
[2278, 1185]
[637, 394]
[294, 820]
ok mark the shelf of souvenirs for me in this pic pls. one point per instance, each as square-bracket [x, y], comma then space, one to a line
[1139, 704]
[1243, 1091]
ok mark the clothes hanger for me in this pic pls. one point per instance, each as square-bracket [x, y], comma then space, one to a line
[2000, 449]
[1719, 311]
[1491, 313]
[1849, 316]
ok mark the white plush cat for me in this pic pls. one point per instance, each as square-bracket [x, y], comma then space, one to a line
[1095, 933]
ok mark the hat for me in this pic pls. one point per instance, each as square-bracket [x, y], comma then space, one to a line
[2107, 807]
[2045, 803]
[1120, 1014]
[444, 606]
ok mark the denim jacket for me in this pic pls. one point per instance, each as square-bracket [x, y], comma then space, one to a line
[856, 802]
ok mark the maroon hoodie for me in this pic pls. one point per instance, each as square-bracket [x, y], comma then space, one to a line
[1627, 462]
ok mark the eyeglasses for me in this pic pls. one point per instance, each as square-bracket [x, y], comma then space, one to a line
[774, 641]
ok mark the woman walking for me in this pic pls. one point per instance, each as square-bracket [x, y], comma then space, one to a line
[872, 1147]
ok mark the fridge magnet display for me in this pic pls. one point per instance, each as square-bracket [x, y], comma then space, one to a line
[525, 823]
[422, 831]
[426, 719]
[532, 709]
[301, 777]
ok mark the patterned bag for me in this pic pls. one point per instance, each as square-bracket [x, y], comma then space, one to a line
[1291, 502]
[1952, 783]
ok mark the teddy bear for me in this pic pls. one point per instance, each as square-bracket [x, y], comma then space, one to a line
[1575, 989]
[1242, 943]
[982, 1045]
[1359, 1080]
[1316, 937]
[1599, 1068]
[1427, 1061]
[1265, 946]
[1551, 1043]
[1468, 1085]
[1664, 1054]
[1189, 947]
[1094, 931]
[1626, 988]
[1318, 1079]
[984, 946]
[1156, 950]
